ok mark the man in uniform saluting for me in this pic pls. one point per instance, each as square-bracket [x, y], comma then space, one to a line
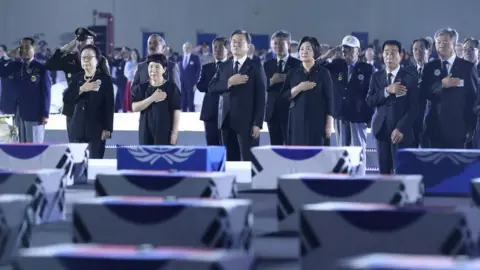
[31, 82]
[66, 59]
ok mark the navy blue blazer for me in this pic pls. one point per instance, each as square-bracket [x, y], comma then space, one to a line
[190, 74]
[8, 97]
[394, 112]
[210, 101]
[33, 88]
[349, 93]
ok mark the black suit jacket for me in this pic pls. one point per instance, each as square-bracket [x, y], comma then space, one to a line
[210, 101]
[395, 112]
[94, 110]
[69, 62]
[275, 101]
[451, 112]
[245, 104]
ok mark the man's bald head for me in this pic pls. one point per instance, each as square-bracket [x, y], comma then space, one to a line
[156, 44]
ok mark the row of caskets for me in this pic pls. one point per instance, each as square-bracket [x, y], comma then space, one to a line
[336, 212]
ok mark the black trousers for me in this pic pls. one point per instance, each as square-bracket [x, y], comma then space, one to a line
[95, 147]
[386, 150]
[69, 129]
[277, 129]
[213, 135]
[238, 144]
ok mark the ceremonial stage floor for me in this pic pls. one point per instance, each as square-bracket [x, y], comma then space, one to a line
[267, 247]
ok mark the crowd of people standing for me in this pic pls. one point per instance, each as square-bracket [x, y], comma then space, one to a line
[303, 90]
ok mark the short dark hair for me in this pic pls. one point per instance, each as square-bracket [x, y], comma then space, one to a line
[393, 42]
[425, 41]
[242, 32]
[472, 39]
[4, 47]
[315, 45]
[223, 40]
[98, 53]
[282, 34]
[158, 58]
[29, 39]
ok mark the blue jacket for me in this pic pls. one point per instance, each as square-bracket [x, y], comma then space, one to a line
[31, 84]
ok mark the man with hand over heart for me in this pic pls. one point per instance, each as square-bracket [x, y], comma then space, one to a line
[393, 94]
[450, 84]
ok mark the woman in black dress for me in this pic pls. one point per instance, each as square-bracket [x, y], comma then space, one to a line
[91, 94]
[158, 102]
[309, 88]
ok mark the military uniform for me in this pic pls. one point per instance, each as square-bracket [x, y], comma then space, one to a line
[31, 81]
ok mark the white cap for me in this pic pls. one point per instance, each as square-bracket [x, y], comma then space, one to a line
[351, 41]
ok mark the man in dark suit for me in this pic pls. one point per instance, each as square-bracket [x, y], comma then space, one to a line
[276, 69]
[209, 113]
[393, 94]
[156, 45]
[190, 68]
[421, 48]
[450, 84]
[67, 59]
[242, 83]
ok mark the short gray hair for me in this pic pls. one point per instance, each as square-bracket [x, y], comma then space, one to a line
[160, 39]
[452, 33]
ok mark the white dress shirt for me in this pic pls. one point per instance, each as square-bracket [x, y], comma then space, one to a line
[240, 61]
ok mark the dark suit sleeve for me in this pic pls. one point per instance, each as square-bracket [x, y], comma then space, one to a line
[376, 94]
[260, 92]
[265, 69]
[46, 85]
[6, 68]
[72, 92]
[429, 90]
[105, 68]
[472, 87]
[406, 122]
[198, 67]
[135, 87]
[109, 103]
[286, 91]
[56, 61]
[219, 82]
[202, 84]
[327, 88]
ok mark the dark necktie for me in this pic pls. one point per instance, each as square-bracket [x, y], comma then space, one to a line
[280, 66]
[23, 72]
[420, 70]
[350, 71]
[445, 67]
[217, 64]
[390, 78]
[236, 69]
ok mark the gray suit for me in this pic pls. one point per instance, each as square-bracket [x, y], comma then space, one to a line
[141, 76]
